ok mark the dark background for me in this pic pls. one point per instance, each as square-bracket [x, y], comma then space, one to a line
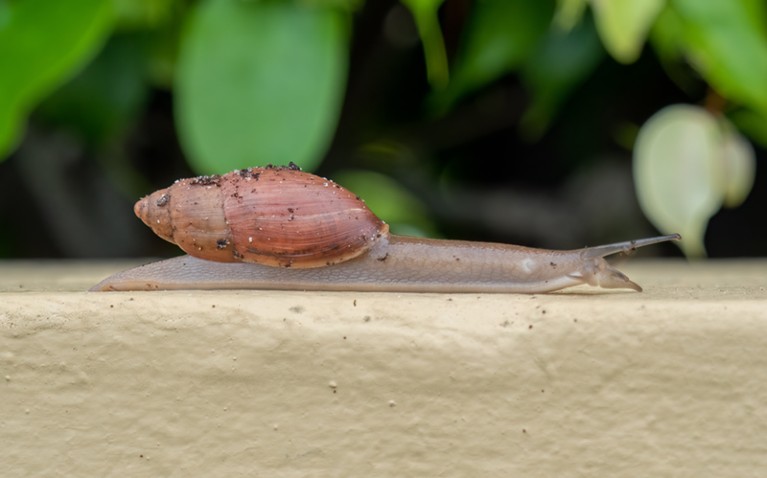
[474, 170]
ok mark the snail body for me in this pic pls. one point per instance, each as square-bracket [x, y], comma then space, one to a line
[281, 228]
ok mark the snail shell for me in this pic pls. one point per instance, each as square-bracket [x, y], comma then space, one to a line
[276, 216]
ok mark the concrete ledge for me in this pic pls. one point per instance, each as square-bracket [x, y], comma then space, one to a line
[669, 382]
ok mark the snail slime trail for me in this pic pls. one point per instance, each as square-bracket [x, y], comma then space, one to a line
[282, 228]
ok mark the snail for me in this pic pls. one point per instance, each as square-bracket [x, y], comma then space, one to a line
[282, 228]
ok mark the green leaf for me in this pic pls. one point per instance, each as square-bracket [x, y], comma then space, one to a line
[623, 25]
[667, 38]
[687, 164]
[103, 99]
[752, 123]
[425, 13]
[137, 14]
[728, 45]
[42, 44]
[564, 60]
[666, 35]
[500, 36]
[260, 82]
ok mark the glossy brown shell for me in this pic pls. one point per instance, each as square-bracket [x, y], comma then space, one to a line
[277, 216]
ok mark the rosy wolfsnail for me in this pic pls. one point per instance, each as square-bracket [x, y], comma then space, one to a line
[281, 228]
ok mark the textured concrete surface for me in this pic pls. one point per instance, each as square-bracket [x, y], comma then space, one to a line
[669, 382]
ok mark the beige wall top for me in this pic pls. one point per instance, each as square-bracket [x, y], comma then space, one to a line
[669, 382]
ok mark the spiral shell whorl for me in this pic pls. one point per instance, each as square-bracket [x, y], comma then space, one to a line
[278, 216]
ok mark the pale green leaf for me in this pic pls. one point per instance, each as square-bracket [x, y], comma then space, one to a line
[623, 25]
[42, 44]
[740, 166]
[678, 169]
[260, 82]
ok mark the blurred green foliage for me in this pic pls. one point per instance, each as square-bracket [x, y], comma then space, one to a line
[500, 36]
[426, 16]
[263, 81]
[42, 44]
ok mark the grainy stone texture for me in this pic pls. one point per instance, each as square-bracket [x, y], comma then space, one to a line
[669, 382]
